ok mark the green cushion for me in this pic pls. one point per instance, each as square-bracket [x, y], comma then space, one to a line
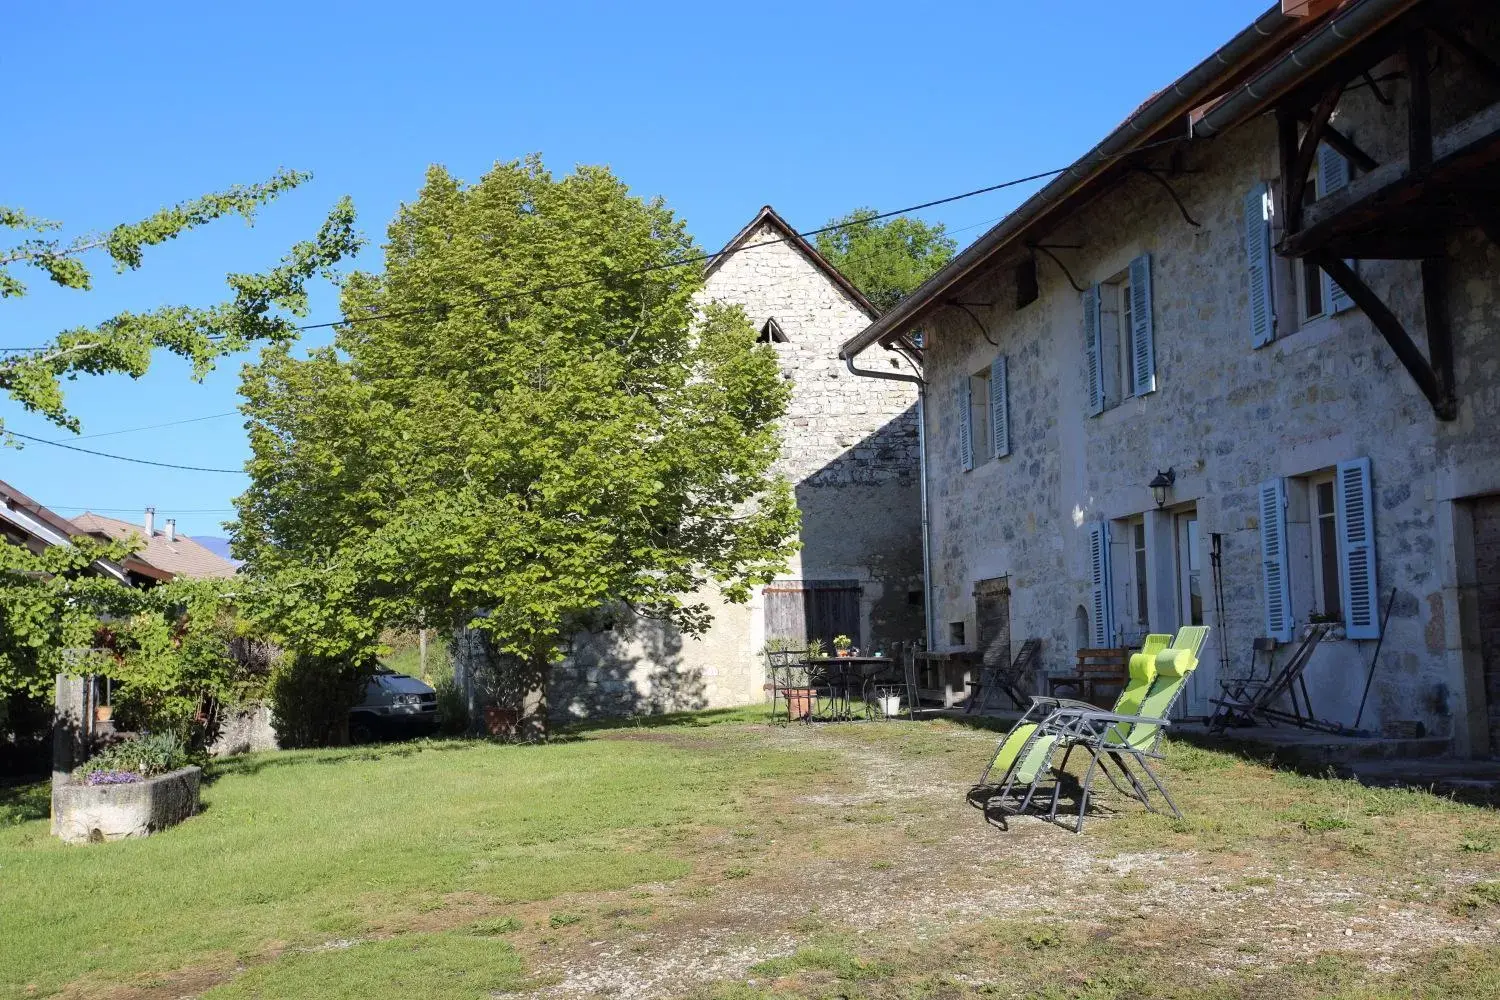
[1034, 760]
[1010, 747]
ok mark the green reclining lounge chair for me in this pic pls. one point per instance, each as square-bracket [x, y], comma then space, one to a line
[1020, 737]
[1132, 730]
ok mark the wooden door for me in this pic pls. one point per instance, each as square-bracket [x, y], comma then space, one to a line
[1487, 577]
[802, 610]
[992, 620]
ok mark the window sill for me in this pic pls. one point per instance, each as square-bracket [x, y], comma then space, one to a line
[1124, 409]
[1309, 334]
[1337, 633]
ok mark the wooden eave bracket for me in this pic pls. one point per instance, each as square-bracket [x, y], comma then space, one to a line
[1433, 376]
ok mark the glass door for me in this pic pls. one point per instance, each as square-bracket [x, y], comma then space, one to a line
[1189, 570]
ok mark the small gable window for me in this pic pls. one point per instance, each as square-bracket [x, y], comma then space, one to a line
[770, 333]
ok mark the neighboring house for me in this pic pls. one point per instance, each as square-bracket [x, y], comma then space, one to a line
[1164, 307]
[23, 521]
[850, 450]
[178, 554]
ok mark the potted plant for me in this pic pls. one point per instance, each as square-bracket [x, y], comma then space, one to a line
[843, 645]
[801, 701]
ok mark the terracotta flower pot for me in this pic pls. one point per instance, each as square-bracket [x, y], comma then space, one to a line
[799, 702]
[842, 652]
[102, 713]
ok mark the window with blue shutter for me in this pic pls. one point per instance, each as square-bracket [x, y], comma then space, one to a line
[1258, 261]
[1101, 601]
[1093, 338]
[1000, 407]
[1333, 175]
[965, 426]
[1356, 529]
[1273, 557]
[1142, 328]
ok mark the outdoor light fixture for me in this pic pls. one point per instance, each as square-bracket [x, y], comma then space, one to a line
[1161, 484]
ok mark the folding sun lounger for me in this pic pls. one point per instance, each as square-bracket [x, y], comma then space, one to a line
[1132, 731]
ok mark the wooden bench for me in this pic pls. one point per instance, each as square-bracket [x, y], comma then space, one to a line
[1096, 668]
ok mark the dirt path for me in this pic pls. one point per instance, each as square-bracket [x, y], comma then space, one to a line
[908, 860]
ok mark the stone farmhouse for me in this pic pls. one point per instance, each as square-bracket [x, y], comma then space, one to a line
[850, 450]
[1274, 292]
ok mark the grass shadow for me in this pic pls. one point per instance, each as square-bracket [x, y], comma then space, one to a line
[662, 720]
[23, 803]
[255, 763]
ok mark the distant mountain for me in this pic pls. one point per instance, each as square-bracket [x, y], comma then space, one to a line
[218, 546]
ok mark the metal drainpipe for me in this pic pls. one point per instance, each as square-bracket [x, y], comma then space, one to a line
[921, 385]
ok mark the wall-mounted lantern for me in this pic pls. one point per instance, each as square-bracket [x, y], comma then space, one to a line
[1162, 485]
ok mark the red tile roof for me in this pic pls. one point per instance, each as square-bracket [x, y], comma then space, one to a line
[181, 556]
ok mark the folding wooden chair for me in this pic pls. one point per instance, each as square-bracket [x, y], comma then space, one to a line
[998, 678]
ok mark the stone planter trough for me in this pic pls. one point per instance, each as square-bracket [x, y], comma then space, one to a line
[83, 814]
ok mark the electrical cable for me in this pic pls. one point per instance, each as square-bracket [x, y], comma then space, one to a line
[122, 458]
[152, 427]
[697, 258]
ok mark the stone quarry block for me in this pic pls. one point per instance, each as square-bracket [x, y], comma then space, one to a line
[87, 814]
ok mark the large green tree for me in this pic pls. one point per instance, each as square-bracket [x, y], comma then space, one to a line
[885, 258]
[525, 418]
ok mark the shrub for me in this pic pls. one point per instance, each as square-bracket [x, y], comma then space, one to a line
[311, 696]
[453, 708]
[132, 760]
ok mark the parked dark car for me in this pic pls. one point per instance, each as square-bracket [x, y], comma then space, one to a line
[395, 706]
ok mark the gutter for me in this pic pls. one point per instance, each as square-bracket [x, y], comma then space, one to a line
[921, 384]
[1316, 50]
[1170, 103]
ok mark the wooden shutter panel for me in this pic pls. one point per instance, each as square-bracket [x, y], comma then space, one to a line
[1274, 560]
[965, 426]
[1333, 175]
[1258, 260]
[1333, 170]
[1356, 528]
[1100, 598]
[1000, 407]
[1093, 338]
[1143, 328]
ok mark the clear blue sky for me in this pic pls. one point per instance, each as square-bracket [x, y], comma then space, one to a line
[119, 109]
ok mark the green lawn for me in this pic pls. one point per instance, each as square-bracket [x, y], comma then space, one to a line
[714, 856]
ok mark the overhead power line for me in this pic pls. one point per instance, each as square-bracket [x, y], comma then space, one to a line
[123, 458]
[694, 259]
[152, 427]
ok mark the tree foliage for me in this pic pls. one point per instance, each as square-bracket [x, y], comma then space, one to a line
[167, 649]
[124, 343]
[885, 258]
[479, 452]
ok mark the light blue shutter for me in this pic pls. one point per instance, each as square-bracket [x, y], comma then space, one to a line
[1333, 175]
[1000, 407]
[1143, 328]
[1273, 560]
[1333, 171]
[1258, 259]
[1093, 338]
[965, 426]
[1356, 529]
[1100, 598]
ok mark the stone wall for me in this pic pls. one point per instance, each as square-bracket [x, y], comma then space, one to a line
[246, 729]
[1225, 416]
